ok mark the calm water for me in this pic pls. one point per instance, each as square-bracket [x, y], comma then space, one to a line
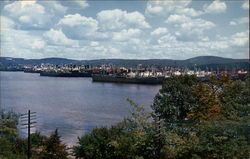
[73, 105]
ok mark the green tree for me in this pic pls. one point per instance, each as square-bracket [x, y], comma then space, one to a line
[129, 139]
[235, 99]
[207, 104]
[54, 148]
[174, 100]
[140, 119]
[97, 144]
[11, 147]
[223, 106]
[37, 139]
[8, 124]
[223, 139]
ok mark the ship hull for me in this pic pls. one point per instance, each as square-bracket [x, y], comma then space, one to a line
[31, 71]
[65, 74]
[136, 80]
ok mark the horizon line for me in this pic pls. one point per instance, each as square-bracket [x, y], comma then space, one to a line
[121, 58]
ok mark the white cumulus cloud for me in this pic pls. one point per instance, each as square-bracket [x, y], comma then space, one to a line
[83, 3]
[175, 18]
[6, 23]
[126, 34]
[215, 7]
[34, 14]
[243, 20]
[75, 26]
[19, 43]
[189, 28]
[118, 19]
[159, 31]
[56, 37]
[245, 5]
[37, 44]
[94, 43]
[164, 8]
[240, 38]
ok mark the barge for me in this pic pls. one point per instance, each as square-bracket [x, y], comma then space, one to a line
[66, 74]
[124, 79]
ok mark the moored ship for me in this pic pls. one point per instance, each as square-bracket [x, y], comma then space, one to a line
[31, 71]
[125, 79]
[66, 74]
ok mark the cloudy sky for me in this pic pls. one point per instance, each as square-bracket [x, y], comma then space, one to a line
[124, 29]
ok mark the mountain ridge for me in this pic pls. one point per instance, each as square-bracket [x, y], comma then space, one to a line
[199, 60]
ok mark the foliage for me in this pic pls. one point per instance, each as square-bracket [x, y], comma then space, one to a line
[219, 125]
[207, 104]
[37, 139]
[134, 138]
[11, 147]
[174, 100]
[139, 117]
[223, 139]
[113, 143]
[53, 148]
[178, 146]
[8, 122]
[236, 99]
[212, 139]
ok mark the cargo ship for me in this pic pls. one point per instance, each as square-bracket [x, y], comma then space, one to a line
[66, 74]
[125, 79]
[31, 71]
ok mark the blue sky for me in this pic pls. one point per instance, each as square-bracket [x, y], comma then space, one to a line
[166, 29]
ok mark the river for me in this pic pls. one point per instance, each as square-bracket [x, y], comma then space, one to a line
[73, 105]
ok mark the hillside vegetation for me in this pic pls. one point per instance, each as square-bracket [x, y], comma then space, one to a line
[203, 62]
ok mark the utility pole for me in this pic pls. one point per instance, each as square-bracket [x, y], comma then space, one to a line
[29, 134]
[159, 133]
[28, 120]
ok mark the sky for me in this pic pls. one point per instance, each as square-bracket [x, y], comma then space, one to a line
[143, 29]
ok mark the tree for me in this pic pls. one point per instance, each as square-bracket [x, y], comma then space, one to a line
[139, 117]
[174, 100]
[129, 139]
[37, 139]
[223, 139]
[8, 124]
[235, 99]
[53, 148]
[11, 147]
[207, 104]
[97, 144]
[223, 107]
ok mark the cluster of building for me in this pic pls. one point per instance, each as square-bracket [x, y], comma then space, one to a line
[138, 74]
[131, 72]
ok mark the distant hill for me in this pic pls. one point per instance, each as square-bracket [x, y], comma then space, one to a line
[200, 61]
[129, 62]
[204, 60]
[5, 61]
